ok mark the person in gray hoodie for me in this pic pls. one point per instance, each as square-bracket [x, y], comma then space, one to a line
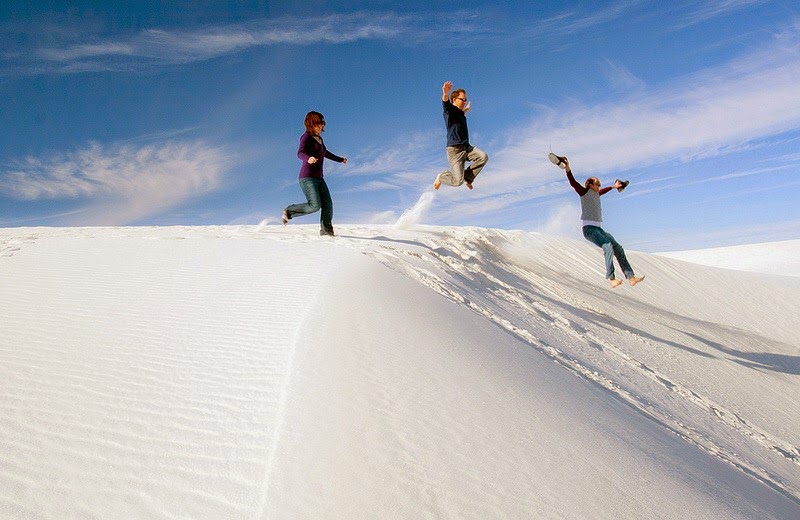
[592, 218]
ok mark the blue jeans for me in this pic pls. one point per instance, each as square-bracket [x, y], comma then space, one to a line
[318, 197]
[611, 249]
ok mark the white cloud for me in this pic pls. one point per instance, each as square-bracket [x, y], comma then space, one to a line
[709, 9]
[700, 116]
[157, 47]
[407, 162]
[567, 24]
[375, 185]
[621, 78]
[399, 156]
[154, 47]
[580, 21]
[120, 183]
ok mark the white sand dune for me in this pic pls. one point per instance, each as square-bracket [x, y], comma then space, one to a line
[390, 372]
[775, 258]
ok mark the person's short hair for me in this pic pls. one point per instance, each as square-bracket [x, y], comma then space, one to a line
[456, 92]
[590, 181]
[313, 118]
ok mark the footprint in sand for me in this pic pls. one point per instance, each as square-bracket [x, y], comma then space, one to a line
[9, 246]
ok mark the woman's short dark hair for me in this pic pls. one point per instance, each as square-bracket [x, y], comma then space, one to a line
[312, 119]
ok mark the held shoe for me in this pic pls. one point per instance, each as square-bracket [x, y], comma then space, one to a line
[557, 160]
[624, 185]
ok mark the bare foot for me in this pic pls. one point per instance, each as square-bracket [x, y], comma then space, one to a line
[469, 185]
[615, 283]
[285, 218]
[634, 280]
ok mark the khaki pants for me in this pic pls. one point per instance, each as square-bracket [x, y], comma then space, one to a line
[457, 157]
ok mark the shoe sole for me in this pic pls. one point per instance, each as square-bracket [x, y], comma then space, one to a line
[557, 160]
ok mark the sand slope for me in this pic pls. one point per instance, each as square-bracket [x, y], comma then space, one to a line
[242, 372]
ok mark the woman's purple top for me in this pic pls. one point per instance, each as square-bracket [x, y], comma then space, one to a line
[310, 147]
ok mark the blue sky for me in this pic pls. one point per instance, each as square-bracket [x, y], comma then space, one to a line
[135, 113]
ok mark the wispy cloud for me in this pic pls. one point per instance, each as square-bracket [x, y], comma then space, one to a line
[622, 79]
[703, 115]
[579, 21]
[400, 155]
[407, 163]
[707, 9]
[662, 185]
[120, 184]
[75, 50]
[376, 185]
[750, 191]
[163, 46]
[563, 28]
[565, 25]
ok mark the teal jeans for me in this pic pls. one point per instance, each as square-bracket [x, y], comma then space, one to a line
[611, 248]
[317, 197]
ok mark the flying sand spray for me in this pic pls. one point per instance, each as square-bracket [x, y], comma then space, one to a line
[415, 214]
